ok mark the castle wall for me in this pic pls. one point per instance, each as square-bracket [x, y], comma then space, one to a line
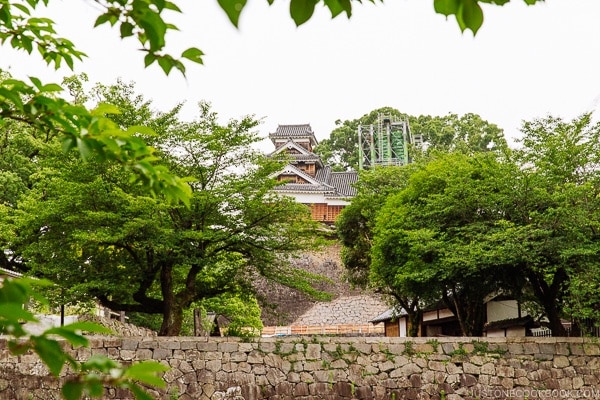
[335, 368]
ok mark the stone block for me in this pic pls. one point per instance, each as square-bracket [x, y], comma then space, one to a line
[561, 362]
[547, 348]
[591, 349]
[436, 366]
[161, 354]
[468, 380]
[227, 347]
[313, 352]
[472, 369]
[452, 368]
[301, 389]
[129, 344]
[213, 365]
[207, 346]
[505, 371]
[364, 393]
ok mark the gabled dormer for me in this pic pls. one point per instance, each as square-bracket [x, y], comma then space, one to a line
[299, 156]
[301, 134]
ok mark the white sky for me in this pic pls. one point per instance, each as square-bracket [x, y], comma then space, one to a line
[524, 63]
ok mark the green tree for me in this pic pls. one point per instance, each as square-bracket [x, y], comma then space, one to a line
[355, 228]
[467, 226]
[468, 133]
[86, 227]
[430, 238]
[554, 227]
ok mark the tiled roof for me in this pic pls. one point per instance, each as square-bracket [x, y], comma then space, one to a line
[324, 174]
[526, 321]
[293, 131]
[334, 184]
[341, 181]
[388, 315]
[305, 157]
[344, 181]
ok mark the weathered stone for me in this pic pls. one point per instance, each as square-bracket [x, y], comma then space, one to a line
[415, 381]
[364, 393]
[301, 389]
[437, 366]
[452, 368]
[561, 362]
[368, 369]
[469, 368]
[468, 380]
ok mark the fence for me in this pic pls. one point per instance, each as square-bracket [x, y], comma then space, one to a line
[346, 329]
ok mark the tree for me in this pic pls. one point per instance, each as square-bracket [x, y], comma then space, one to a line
[430, 238]
[468, 133]
[87, 228]
[467, 226]
[555, 224]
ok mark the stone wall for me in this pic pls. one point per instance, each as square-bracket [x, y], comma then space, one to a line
[290, 304]
[331, 368]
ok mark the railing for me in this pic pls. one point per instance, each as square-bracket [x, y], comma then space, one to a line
[346, 329]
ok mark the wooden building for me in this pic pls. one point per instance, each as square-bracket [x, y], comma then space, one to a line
[306, 178]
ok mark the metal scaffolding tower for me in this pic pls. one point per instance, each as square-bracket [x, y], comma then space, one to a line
[385, 143]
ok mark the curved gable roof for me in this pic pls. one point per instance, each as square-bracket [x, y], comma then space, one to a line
[294, 131]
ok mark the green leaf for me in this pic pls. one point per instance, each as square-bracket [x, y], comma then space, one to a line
[105, 108]
[193, 54]
[51, 353]
[15, 312]
[302, 10]
[149, 59]
[72, 390]
[36, 82]
[144, 130]
[172, 6]
[94, 388]
[146, 372]
[138, 392]
[233, 9]
[471, 15]
[154, 28]
[446, 7]
[51, 87]
[102, 19]
[166, 64]
[84, 148]
[126, 29]
[338, 6]
[72, 337]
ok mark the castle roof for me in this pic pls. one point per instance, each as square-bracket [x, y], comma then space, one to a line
[294, 132]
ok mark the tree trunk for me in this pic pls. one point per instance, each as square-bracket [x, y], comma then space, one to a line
[172, 310]
[172, 321]
[414, 322]
[549, 297]
[554, 320]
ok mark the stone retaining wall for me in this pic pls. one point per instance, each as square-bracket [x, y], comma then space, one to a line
[331, 368]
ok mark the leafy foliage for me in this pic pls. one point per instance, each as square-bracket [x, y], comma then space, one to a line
[468, 133]
[86, 378]
[87, 227]
[521, 223]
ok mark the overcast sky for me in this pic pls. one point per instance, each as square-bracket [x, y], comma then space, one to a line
[525, 62]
